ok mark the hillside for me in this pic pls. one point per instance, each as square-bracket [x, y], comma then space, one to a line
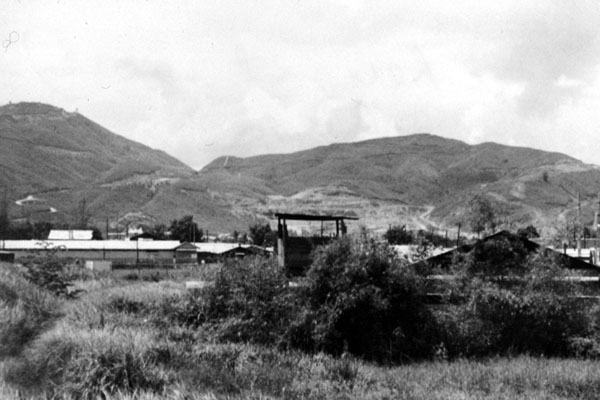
[51, 159]
[46, 148]
[422, 180]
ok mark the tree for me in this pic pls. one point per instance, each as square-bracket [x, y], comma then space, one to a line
[364, 300]
[565, 234]
[96, 234]
[41, 230]
[159, 231]
[481, 214]
[528, 232]
[185, 229]
[4, 220]
[398, 235]
[81, 215]
[262, 235]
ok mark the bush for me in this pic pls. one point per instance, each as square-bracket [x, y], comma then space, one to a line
[234, 369]
[250, 302]
[49, 273]
[364, 300]
[500, 257]
[526, 307]
[25, 311]
[72, 363]
[398, 235]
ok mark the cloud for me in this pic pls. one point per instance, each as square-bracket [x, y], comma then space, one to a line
[549, 41]
[204, 79]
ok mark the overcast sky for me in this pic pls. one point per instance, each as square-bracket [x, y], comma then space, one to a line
[205, 79]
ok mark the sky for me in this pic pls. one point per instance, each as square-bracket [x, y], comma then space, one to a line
[203, 79]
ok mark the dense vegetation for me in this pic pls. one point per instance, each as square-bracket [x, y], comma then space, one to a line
[344, 330]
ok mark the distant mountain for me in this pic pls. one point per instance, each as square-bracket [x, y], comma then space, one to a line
[63, 158]
[50, 160]
[421, 180]
[47, 148]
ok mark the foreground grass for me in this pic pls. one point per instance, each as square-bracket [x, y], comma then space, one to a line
[118, 342]
[324, 378]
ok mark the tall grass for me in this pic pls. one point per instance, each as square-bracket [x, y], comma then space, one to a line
[79, 363]
[25, 311]
[125, 340]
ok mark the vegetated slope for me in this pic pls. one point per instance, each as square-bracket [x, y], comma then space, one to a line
[52, 160]
[392, 180]
[45, 147]
[420, 180]
[62, 158]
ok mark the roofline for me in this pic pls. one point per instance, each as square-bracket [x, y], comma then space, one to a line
[308, 217]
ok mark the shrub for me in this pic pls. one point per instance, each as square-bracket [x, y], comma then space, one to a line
[525, 307]
[73, 363]
[398, 235]
[234, 369]
[364, 300]
[49, 273]
[500, 257]
[250, 301]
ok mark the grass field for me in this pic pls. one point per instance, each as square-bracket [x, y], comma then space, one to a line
[118, 341]
[321, 377]
[195, 272]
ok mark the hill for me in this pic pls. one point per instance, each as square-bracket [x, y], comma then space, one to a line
[46, 148]
[51, 159]
[422, 180]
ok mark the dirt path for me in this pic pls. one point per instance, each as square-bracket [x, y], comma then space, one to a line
[423, 220]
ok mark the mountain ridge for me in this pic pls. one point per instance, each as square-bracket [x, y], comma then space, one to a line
[421, 180]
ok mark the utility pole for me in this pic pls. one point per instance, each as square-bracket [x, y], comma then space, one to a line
[578, 227]
[578, 210]
[595, 228]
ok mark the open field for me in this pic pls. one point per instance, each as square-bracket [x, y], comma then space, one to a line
[120, 340]
[322, 377]
[179, 274]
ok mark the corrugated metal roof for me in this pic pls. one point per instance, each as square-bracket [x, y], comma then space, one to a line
[73, 234]
[149, 245]
[89, 244]
[217, 248]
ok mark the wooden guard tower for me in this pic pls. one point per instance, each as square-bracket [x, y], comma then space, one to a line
[293, 253]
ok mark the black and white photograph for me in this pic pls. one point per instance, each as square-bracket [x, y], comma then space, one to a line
[299, 199]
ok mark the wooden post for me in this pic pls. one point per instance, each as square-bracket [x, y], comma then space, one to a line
[578, 228]
[280, 244]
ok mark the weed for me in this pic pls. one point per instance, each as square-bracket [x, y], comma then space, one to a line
[25, 311]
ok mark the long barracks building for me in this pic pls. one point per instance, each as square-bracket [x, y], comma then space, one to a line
[130, 251]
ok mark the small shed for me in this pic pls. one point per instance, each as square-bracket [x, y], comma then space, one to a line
[98, 265]
[186, 253]
[293, 252]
